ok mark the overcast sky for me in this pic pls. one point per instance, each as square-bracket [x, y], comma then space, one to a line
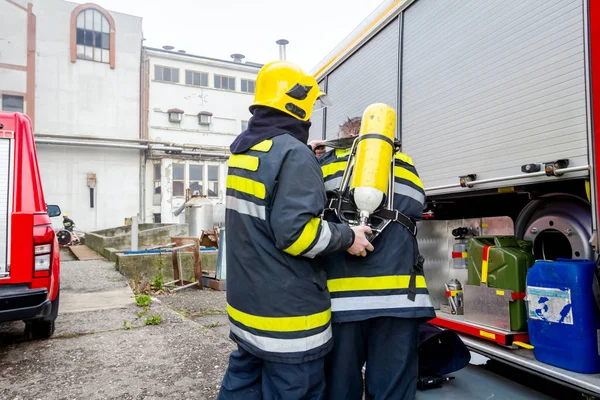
[218, 28]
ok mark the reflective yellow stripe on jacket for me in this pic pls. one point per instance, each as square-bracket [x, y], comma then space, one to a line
[308, 235]
[403, 173]
[246, 185]
[333, 168]
[243, 161]
[280, 324]
[373, 283]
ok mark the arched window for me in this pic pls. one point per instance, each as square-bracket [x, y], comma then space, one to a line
[92, 35]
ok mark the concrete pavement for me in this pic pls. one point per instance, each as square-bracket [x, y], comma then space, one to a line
[102, 348]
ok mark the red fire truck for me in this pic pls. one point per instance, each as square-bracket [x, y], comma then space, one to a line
[29, 252]
[498, 104]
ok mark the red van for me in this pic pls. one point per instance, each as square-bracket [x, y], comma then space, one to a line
[29, 252]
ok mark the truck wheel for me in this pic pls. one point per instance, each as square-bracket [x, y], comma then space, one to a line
[43, 328]
[560, 226]
[39, 329]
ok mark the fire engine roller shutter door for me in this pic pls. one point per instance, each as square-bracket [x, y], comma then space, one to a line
[369, 76]
[316, 128]
[491, 85]
[5, 171]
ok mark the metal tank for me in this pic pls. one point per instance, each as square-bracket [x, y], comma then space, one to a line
[199, 215]
[219, 214]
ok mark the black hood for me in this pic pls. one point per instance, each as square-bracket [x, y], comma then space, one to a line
[266, 123]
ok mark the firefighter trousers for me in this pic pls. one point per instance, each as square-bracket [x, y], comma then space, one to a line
[251, 378]
[390, 348]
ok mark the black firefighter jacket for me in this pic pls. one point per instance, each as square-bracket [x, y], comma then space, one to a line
[378, 285]
[278, 302]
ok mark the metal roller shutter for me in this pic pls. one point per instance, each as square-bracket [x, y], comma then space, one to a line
[5, 171]
[316, 127]
[369, 76]
[491, 85]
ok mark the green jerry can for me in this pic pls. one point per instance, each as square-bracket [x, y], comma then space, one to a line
[497, 273]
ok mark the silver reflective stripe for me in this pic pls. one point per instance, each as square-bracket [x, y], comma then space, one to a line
[379, 302]
[405, 190]
[333, 183]
[245, 207]
[283, 345]
[322, 243]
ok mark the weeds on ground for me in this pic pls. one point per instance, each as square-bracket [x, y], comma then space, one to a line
[143, 300]
[153, 320]
[127, 325]
[141, 314]
[157, 282]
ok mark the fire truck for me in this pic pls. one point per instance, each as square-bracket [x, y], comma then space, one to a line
[29, 252]
[497, 103]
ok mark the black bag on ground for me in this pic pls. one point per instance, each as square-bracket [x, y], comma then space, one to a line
[441, 351]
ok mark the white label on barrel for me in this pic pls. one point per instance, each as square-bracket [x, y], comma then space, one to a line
[550, 304]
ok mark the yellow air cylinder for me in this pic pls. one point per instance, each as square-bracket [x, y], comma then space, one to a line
[372, 162]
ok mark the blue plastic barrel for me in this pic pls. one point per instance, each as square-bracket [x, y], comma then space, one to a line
[564, 327]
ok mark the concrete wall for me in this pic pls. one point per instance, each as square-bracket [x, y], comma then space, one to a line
[65, 170]
[142, 267]
[13, 50]
[88, 98]
[13, 35]
[120, 238]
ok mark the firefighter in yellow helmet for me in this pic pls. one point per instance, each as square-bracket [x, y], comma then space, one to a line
[277, 299]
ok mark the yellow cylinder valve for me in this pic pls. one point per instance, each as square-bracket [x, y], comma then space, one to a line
[373, 158]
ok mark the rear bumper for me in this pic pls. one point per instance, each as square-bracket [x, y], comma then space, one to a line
[21, 303]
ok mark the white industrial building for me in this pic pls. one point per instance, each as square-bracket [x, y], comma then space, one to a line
[121, 130]
[75, 70]
[201, 104]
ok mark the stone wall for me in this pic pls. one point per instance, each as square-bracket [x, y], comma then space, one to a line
[142, 267]
[120, 238]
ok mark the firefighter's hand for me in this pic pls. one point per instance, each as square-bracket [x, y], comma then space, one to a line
[317, 148]
[361, 245]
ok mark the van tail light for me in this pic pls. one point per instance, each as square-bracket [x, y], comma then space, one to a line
[43, 240]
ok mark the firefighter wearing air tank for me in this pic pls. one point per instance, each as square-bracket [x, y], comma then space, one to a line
[379, 301]
[277, 298]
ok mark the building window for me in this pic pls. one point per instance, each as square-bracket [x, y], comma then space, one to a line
[196, 176]
[166, 74]
[248, 86]
[157, 218]
[93, 36]
[157, 188]
[178, 179]
[175, 115]
[244, 125]
[12, 103]
[196, 78]
[213, 181]
[204, 118]
[224, 82]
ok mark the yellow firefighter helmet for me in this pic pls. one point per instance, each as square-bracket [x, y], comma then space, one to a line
[285, 87]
